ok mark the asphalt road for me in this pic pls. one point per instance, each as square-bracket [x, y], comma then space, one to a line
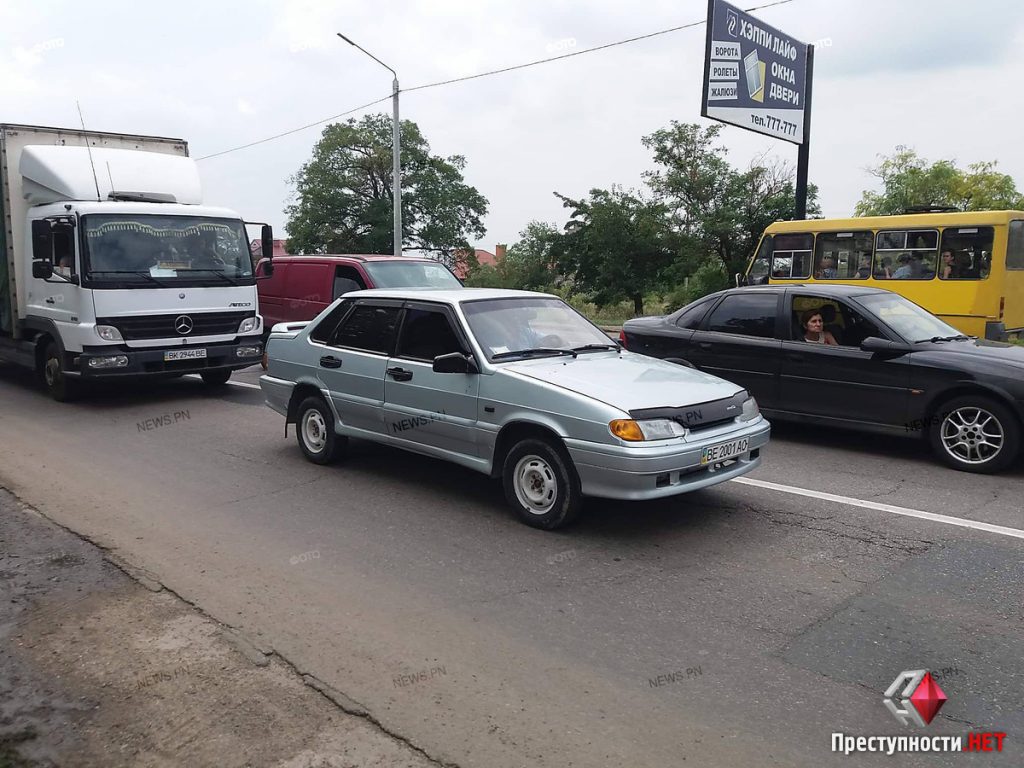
[739, 625]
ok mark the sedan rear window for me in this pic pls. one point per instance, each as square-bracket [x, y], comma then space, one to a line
[750, 314]
[368, 327]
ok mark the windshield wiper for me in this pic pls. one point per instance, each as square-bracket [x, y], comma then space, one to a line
[594, 347]
[217, 272]
[140, 272]
[533, 351]
[957, 337]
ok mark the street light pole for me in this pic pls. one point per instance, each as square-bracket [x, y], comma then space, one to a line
[396, 149]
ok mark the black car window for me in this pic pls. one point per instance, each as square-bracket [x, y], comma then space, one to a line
[426, 334]
[369, 327]
[749, 314]
[322, 331]
[847, 326]
[347, 279]
[692, 315]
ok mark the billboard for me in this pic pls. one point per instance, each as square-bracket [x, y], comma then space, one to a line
[755, 77]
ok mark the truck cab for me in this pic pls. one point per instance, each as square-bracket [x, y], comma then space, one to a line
[113, 267]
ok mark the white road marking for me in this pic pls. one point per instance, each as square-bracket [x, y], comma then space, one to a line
[232, 383]
[1002, 530]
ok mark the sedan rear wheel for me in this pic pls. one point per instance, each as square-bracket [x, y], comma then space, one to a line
[975, 434]
[541, 484]
[315, 432]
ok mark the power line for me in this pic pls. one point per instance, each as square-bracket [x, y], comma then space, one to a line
[580, 53]
[485, 74]
[294, 130]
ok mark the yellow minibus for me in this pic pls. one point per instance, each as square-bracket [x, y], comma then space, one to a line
[967, 268]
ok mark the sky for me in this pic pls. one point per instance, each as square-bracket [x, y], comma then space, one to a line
[940, 76]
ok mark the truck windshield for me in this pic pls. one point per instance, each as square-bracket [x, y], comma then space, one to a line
[411, 274]
[165, 250]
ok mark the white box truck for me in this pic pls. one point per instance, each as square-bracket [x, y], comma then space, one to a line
[111, 266]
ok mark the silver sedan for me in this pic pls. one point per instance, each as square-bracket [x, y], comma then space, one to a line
[514, 384]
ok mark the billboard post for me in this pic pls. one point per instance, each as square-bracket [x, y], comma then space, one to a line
[803, 154]
[758, 78]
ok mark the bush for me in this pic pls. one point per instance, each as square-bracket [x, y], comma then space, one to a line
[708, 278]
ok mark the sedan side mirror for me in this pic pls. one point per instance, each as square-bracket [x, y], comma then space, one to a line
[455, 362]
[876, 345]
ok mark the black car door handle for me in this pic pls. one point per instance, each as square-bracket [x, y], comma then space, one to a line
[329, 361]
[704, 344]
[795, 356]
[399, 374]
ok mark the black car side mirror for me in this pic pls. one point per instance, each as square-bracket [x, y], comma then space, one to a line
[455, 362]
[876, 345]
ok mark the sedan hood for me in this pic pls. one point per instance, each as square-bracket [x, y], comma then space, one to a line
[628, 381]
[995, 351]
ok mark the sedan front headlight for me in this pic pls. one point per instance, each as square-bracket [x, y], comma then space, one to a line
[750, 410]
[646, 429]
[249, 324]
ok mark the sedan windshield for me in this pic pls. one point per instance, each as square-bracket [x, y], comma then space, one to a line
[166, 250]
[411, 274]
[523, 327]
[910, 321]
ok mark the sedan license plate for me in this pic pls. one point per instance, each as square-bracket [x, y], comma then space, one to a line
[716, 453]
[185, 354]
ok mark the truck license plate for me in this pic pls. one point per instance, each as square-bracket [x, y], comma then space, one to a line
[716, 453]
[184, 354]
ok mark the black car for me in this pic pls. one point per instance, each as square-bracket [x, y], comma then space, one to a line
[894, 368]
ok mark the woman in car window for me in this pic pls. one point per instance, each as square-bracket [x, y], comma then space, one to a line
[814, 328]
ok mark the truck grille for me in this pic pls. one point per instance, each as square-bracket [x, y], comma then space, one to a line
[166, 326]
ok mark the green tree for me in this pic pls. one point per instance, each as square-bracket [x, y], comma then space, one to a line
[614, 246]
[344, 195]
[529, 263]
[715, 210]
[909, 181]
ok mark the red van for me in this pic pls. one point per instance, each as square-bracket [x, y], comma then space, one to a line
[302, 286]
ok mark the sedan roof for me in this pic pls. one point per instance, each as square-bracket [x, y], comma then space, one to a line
[446, 295]
[836, 289]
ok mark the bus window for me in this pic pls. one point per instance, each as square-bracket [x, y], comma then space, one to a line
[966, 253]
[1015, 246]
[758, 273]
[791, 256]
[906, 254]
[842, 255]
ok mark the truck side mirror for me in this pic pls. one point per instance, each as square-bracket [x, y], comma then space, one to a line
[42, 249]
[267, 241]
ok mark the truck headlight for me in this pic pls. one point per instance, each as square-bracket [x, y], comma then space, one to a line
[647, 429]
[108, 333]
[249, 324]
[750, 410]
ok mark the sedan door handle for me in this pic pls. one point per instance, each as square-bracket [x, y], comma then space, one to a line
[330, 361]
[704, 344]
[399, 374]
[49, 299]
[797, 356]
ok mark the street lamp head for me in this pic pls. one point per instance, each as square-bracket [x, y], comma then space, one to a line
[346, 39]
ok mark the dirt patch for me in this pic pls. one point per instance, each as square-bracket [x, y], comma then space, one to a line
[98, 671]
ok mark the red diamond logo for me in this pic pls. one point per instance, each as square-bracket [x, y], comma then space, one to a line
[928, 698]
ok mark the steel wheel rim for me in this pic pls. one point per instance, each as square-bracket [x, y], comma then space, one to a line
[51, 371]
[314, 431]
[536, 484]
[972, 435]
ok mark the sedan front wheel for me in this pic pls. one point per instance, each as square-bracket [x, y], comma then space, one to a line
[541, 484]
[975, 434]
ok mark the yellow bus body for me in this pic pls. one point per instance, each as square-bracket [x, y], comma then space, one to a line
[988, 307]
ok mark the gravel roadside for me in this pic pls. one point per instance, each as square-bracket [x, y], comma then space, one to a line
[101, 669]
